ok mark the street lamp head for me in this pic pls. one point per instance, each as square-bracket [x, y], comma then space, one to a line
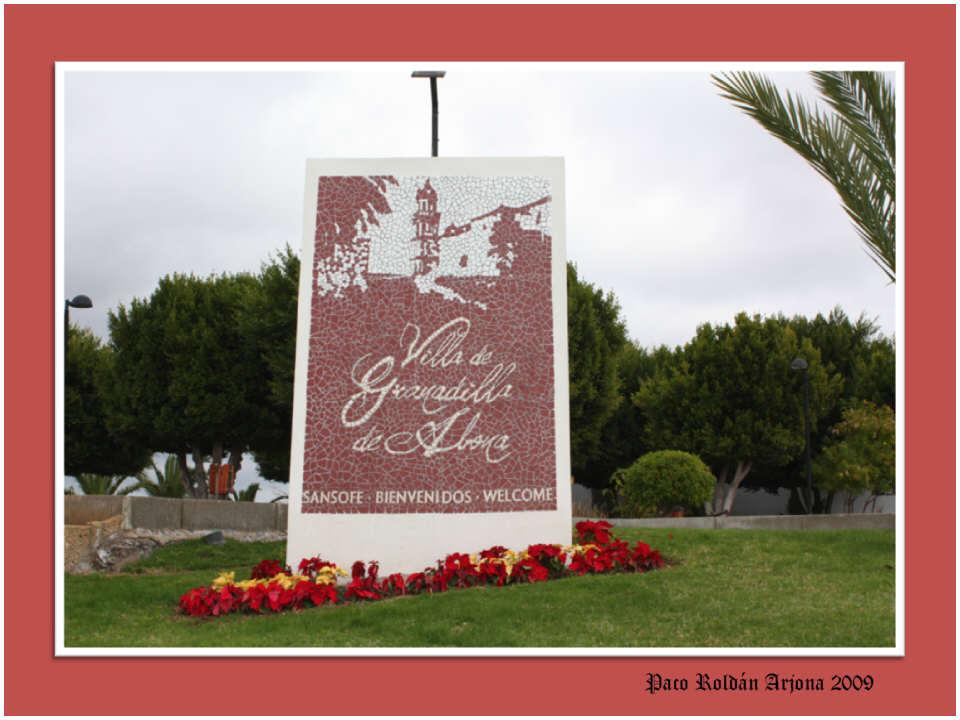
[80, 301]
[798, 364]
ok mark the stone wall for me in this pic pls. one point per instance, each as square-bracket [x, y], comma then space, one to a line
[81, 541]
[152, 513]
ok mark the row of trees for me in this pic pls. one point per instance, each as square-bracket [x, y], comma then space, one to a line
[730, 396]
[203, 370]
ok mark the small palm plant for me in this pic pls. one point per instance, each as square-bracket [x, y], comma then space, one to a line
[167, 483]
[249, 494]
[93, 484]
[854, 147]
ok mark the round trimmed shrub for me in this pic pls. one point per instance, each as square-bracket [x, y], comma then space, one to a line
[660, 481]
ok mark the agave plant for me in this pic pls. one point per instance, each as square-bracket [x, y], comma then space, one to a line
[853, 147]
[166, 483]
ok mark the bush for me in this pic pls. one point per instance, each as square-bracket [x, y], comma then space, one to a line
[861, 455]
[660, 481]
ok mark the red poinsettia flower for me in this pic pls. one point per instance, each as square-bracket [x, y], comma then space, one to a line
[416, 582]
[266, 569]
[438, 581]
[361, 589]
[253, 597]
[492, 572]
[311, 566]
[530, 570]
[197, 602]
[393, 585]
[273, 596]
[458, 570]
[497, 551]
[320, 594]
[641, 551]
[358, 570]
[594, 531]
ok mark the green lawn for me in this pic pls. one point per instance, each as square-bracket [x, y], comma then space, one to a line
[724, 588]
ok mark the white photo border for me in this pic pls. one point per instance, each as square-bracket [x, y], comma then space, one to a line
[62, 69]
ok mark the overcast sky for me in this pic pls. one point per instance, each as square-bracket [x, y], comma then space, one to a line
[678, 203]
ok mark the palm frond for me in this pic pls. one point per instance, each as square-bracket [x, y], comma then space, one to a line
[94, 484]
[249, 494]
[164, 483]
[864, 103]
[852, 148]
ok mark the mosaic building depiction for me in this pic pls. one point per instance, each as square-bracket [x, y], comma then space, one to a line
[468, 255]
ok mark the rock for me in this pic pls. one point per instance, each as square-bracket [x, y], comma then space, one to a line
[214, 538]
[119, 550]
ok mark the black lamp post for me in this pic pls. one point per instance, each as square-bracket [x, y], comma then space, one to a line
[80, 302]
[800, 365]
[433, 75]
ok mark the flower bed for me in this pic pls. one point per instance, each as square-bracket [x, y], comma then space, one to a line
[274, 587]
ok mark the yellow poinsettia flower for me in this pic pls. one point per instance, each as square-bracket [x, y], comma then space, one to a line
[328, 575]
[288, 582]
[223, 579]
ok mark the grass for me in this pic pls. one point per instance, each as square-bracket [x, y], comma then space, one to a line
[727, 588]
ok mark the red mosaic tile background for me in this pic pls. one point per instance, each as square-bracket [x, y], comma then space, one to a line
[430, 374]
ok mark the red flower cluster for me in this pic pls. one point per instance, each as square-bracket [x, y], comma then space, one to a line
[311, 567]
[266, 569]
[273, 587]
[274, 596]
[594, 531]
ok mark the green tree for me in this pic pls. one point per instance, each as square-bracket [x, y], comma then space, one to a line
[861, 455]
[89, 447]
[184, 379]
[853, 146]
[623, 433]
[732, 399]
[856, 350]
[864, 359]
[596, 337]
[270, 323]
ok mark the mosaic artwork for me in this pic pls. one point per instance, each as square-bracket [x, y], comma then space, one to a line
[430, 376]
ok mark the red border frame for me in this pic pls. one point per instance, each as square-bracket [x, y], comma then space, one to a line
[36, 36]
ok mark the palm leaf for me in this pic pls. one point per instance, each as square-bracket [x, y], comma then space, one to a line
[865, 103]
[853, 148]
[165, 483]
[94, 484]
